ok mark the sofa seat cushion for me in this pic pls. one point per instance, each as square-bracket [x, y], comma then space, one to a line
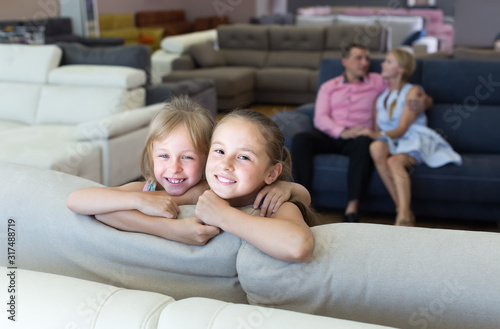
[129, 34]
[50, 147]
[98, 76]
[19, 101]
[294, 59]
[237, 57]
[9, 125]
[286, 79]
[229, 81]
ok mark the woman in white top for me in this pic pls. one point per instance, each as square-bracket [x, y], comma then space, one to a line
[403, 139]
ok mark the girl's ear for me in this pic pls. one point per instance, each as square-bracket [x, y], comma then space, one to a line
[273, 174]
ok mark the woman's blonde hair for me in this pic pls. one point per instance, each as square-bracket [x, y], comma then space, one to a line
[179, 110]
[275, 150]
[408, 63]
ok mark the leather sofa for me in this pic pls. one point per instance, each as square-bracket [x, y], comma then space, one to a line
[90, 305]
[89, 117]
[60, 29]
[380, 274]
[172, 22]
[466, 112]
[123, 26]
[270, 64]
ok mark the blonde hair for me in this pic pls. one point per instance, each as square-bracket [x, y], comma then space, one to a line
[179, 110]
[275, 150]
[407, 62]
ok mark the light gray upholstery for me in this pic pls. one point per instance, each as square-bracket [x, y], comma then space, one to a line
[393, 276]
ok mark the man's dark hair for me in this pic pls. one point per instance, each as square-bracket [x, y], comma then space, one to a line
[346, 51]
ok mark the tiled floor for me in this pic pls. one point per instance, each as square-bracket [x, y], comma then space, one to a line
[335, 216]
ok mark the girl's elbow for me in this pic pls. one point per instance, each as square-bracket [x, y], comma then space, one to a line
[303, 250]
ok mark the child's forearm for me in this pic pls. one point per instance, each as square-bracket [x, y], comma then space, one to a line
[301, 192]
[280, 238]
[99, 200]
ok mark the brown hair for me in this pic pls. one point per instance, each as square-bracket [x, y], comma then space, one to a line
[275, 150]
[179, 110]
[346, 51]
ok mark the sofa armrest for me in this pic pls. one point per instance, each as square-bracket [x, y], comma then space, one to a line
[116, 124]
[292, 123]
[184, 62]
[425, 45]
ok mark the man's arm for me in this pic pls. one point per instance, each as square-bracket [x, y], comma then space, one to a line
[322, 118]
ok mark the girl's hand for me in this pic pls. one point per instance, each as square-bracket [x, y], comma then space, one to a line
[210, 207]
[191, 230]
[157, 204]
[272, 197]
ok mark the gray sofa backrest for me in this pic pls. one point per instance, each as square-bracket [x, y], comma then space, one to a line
[243, 45]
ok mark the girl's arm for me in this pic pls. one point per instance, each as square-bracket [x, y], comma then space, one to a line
[104, 200]
[189, 230]
[285, 236]
[274, 195]
[407, 118]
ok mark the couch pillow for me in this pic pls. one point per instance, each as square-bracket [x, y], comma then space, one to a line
[205, 55]
[355, 20]
[25, 63]
[414, 36]
[19, 101]
[401, 26]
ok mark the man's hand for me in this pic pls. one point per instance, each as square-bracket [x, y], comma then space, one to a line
[350, 132]
[417, 101]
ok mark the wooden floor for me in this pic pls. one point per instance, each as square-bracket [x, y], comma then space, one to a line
[335, 216]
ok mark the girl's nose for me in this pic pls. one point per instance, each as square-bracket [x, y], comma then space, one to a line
[175, 166]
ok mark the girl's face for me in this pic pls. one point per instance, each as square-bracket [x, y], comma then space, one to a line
[390, 67]
[238, 165]
[177, 164]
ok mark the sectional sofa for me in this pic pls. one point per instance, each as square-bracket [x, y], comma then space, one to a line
[88, 117]
[379, 274]
[269, 63]
[466, 112]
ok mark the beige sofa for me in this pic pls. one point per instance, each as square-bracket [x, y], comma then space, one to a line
[271, 64]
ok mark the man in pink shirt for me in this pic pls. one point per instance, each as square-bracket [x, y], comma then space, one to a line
[344, 106]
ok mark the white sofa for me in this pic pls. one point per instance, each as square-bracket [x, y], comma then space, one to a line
[379, 274]
[173, 47]
[89, 121]
[45, 300]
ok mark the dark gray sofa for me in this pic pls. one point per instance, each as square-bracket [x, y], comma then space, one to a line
[466, 112]
[273, 63]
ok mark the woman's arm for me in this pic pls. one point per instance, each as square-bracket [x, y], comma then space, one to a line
[273, 196]
[408, 116]
[285, 236]
[189, 230]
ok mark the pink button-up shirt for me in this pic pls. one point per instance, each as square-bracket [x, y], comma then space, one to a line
[341, 105]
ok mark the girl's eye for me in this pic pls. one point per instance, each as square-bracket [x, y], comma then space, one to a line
[187, 157]
[219, 151]
[164, 156]
[243, 157]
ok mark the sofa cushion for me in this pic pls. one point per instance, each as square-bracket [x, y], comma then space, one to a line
[298, 38]
[284, 79]
[304, 20]
[98, 76]
[355, 20]
[25, 63]
[72, 105]
[476, 54]
[253, 58]
[19, 101]
[401, 26]
[180, 44]
[294, 59]
[205, 55]
[240, 36]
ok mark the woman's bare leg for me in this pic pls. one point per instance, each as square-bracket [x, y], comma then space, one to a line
[398, 165]
[380, 154]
